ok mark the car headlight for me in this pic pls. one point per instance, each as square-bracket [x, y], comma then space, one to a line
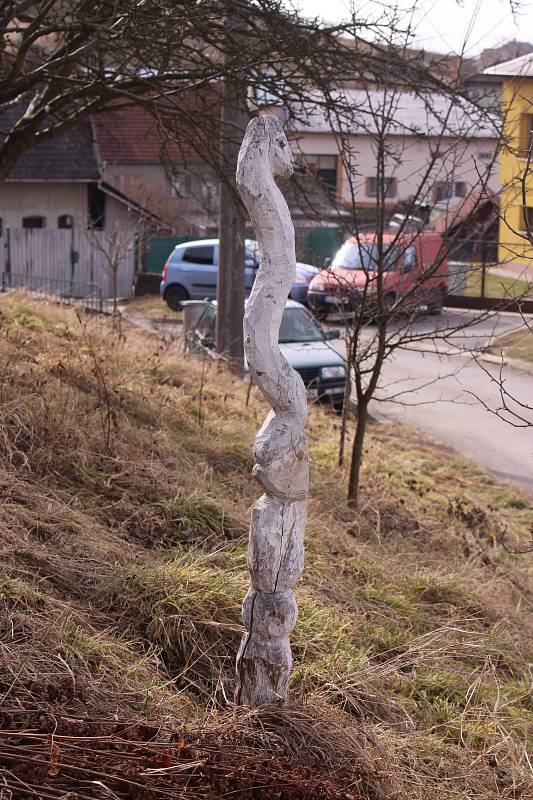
[327, 373]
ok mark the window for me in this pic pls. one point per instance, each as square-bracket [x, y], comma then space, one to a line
[389, 190]
[96, 203]
[409, 258]
[297, 325]
[528, 218]
[181, 185]
[324, 167]
[445, 190]
[65, 221]
[33, 222]
[486, 155]
[526, 133]
[199, 255]
[364, 256]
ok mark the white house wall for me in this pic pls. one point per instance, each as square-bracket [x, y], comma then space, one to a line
[44, 199]
[19, 199]
[461, 163]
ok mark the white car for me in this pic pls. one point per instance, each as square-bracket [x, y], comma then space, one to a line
[305, 346]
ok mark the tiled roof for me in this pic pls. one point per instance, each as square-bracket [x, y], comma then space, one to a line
[407, 114]
[66, 157]
[133, 135]
[402, 113]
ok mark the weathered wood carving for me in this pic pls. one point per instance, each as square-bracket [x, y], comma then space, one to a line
[275, 549]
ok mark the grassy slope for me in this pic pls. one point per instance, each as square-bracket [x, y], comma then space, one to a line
[126, 493]
[150, 306]
[497, 286]
[516, 345]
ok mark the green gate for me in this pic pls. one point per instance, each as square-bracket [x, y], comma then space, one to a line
[313, 245]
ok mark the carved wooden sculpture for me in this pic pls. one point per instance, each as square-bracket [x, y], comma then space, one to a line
[275, 550]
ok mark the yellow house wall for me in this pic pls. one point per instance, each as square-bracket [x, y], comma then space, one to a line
[517, 102]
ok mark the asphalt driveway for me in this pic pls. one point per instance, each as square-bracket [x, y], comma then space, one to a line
[439, 387]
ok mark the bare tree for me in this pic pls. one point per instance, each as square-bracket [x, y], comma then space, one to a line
[393, 116]
[66, 59]
[230, 283]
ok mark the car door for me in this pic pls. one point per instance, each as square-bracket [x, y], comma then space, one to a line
[199, 260]
[409, 265]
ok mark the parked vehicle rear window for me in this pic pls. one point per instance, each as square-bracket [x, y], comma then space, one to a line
[199, 255]
[364, 256]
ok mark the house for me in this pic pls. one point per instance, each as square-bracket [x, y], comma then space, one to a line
[415, 131]
[515, 174]
[59, 184]
[59, 217]
[482, 85]
[145, 159]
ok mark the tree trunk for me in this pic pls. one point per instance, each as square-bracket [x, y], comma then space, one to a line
[230, 280]
[357, 454]
[115, 286]
[345, 412]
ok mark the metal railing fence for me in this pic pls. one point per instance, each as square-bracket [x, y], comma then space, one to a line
[87, 295]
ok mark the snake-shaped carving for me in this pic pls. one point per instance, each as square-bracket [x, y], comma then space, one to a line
[275, 549]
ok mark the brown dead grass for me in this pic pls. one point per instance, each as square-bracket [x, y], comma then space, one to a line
[150, 307]
[125, 503]
[515, 345]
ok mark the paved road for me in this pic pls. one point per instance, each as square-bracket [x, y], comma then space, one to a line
[443, 393]
[434, 384]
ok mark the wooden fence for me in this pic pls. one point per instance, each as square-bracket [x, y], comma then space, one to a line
[76, 258]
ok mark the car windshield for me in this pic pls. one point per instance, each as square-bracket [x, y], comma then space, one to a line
[297, 325]
[364, 255]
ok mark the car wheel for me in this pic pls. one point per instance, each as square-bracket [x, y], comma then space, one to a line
[388, 303]
[175, 295]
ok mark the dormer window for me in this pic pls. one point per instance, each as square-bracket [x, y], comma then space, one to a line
[65, 221]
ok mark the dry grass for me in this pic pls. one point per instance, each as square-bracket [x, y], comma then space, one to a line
[122, 568]
[497, 285]
[150, 307]
[515, 345]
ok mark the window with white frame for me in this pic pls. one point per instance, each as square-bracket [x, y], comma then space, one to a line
[390, 188]
[445, 190]
[323, 166]
[181, 185]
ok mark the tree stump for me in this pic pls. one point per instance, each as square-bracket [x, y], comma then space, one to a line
[275, 550]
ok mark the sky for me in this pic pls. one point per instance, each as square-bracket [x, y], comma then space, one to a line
[445, 25]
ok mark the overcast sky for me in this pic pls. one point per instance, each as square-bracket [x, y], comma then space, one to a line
[443, 25]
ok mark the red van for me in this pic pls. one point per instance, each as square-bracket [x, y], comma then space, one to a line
[352, 273]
